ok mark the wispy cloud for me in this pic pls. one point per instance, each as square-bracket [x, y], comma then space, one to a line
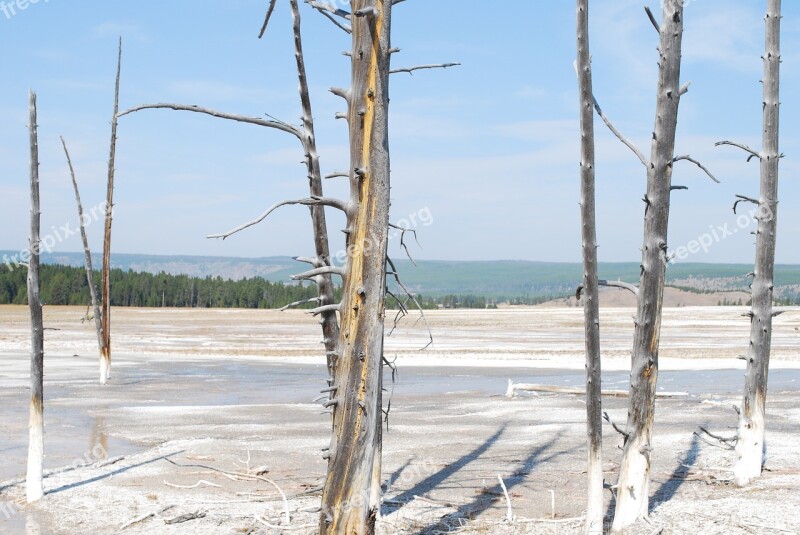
[725, 37]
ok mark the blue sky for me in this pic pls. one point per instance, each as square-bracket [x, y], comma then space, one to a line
[489, 150]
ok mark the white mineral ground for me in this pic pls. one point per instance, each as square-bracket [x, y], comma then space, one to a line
[197, 392]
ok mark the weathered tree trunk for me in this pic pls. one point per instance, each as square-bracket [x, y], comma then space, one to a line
[105, 348]
[33, 481]
[591, 306]
[750, 447]
[634, 479]
[98, 320]
[330, 324]
[349, 497]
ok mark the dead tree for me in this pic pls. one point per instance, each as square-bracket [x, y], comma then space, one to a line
[591, 305]
[98, 320]
[105, 347]
[634, 478]
[322, 261]
[34, 490]
[322, 271]
[750, 448]
[351, 494]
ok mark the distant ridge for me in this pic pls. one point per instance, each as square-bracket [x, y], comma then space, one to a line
[500, 279]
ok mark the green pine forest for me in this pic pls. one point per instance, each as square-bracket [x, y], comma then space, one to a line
[66, 285]
[63, 285]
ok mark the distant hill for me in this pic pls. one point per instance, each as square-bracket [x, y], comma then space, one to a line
[278, 268]
[500, 280]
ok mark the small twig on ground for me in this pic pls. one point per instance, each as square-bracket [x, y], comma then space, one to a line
[185, 518]
[144, 517]
[509, 513]
[550, 520]
[233, 475]
[201, 482]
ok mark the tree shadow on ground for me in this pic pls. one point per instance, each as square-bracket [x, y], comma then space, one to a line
[670, 487]
[437, 478]
[110, 474]
[392, 479]
[490, 496]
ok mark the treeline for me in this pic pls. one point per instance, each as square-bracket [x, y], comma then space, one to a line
[63, 285]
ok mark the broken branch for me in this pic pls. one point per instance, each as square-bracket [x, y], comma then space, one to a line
[742, 198]
[312, 201]
[270, 9]
[753, 154]
[410, 70]
[619, 135]
[269, 123]
[688, 158]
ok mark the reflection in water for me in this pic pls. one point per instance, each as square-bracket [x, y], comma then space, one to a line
[32, 526]
[98, 440]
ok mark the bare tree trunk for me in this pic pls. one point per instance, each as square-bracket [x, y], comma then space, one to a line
[330, 324]
[98, 320]
[591, 306]
[105, 348]
[750, 447]
[34, 489]
[634, 479]
[348, 500]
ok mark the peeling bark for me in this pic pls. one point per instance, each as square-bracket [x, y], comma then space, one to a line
[350, 501]
[105, 348]
[750, 447]
[33, 479]
[591, 307]
[634, 478]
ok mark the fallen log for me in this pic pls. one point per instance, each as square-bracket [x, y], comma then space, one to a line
[527, 387]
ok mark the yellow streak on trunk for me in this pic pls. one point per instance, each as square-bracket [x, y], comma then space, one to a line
[365, 213]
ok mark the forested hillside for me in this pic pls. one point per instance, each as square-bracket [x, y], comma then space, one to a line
[63, 285]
